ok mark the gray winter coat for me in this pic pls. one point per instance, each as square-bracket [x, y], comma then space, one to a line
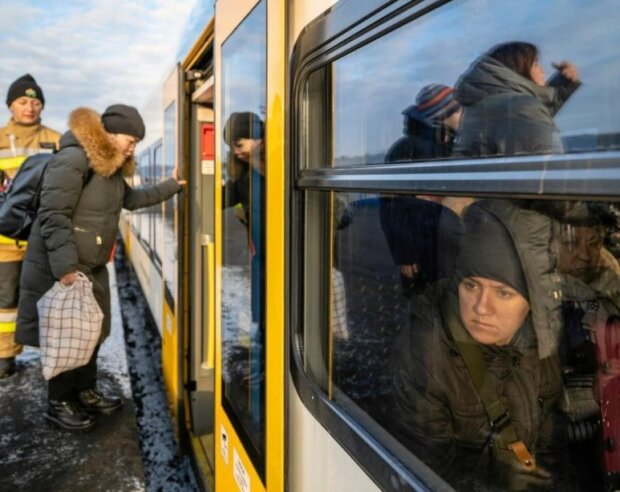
[508, 114]
[77, 222]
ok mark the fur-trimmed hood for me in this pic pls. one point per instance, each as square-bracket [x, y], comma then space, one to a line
[85, 125]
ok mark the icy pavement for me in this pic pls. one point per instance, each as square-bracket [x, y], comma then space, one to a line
[37, 457]
[165, 469]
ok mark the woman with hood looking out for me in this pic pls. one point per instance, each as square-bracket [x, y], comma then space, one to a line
[509, 108]
[81, 199]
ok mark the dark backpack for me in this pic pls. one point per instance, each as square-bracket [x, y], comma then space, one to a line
[20, 201]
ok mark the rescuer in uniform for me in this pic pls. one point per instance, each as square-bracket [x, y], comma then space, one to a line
[22, 136]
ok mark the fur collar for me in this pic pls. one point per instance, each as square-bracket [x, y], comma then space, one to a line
[104, 158]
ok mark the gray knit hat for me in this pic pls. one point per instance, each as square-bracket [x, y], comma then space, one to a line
[120, 118]
[488, 251]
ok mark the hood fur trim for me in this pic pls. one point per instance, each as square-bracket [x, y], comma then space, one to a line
[104, 158]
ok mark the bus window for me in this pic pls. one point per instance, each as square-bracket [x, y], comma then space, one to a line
[532, 287]
[169, 238]
[464, 312]
[243, 228]
[144, 169]
[156, 210]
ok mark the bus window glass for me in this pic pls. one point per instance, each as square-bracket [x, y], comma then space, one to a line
[446, 311]
[243, 224]
[145, 180]
[156, 210]
[440, 87]
[170, 243]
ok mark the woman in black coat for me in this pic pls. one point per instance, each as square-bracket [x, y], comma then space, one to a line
[82, 196]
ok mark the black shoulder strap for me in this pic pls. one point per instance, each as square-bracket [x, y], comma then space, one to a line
[88, 176]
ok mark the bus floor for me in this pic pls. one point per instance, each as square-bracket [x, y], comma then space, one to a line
[38, 457]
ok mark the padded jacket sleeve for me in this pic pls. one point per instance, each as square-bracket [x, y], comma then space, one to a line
[146, 196]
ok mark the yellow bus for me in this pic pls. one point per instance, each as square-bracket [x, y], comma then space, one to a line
[329, 193]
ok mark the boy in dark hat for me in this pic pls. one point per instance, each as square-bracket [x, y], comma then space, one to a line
[22, 136]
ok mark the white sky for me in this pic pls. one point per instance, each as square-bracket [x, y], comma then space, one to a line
[90, 52]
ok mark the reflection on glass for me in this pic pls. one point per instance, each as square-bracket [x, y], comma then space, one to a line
[156, 210]
[170, 244]
[482, 335]
[243, 271]
[439, 48]
[386, 249]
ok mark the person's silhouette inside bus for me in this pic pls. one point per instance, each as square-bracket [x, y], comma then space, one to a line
[590, 310]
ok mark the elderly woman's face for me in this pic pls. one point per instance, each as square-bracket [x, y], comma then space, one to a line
[579, 250]
[491, 311]
[125, 144]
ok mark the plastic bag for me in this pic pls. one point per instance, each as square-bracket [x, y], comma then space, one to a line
[70, 323]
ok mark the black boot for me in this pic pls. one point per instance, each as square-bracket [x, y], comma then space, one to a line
[7, 366]
[67, 415]
[95, 403]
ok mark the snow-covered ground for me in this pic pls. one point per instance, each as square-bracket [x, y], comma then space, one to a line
[165, 468]
[37, 457]
[112, 355]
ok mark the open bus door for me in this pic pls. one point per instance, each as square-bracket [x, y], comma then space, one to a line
[200, 388]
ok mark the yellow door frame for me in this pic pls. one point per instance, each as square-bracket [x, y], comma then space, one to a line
[228, 15]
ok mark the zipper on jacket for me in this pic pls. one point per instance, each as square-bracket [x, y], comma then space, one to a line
[98, 238]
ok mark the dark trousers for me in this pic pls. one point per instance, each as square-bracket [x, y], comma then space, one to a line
[68, 384]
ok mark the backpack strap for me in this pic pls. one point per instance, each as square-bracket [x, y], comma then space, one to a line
[496, 407]
[88, 176]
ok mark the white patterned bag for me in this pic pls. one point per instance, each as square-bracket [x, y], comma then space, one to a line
[69, 326]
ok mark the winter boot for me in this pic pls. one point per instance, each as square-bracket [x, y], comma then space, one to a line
[95, 403]
[67, 415]
[7, 366]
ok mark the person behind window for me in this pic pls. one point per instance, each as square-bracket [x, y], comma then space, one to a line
[22, 136]
[418, 228]
[509, 108]
[82, 195]
[590, 311]
[476, 377]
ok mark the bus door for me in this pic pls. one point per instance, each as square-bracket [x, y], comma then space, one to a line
[249, 428]
[202, 264]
